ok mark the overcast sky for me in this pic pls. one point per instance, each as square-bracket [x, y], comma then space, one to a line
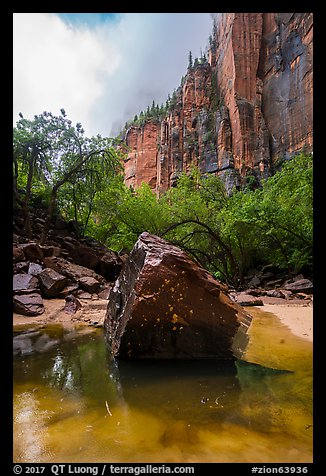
[101, 68]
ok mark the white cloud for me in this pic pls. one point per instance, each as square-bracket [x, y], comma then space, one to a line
[101, 75]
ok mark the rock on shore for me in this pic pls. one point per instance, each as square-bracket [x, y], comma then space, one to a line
[165, 306]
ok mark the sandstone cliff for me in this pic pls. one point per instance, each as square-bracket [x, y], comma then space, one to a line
[238, 112]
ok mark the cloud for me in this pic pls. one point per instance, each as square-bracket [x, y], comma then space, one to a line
[105, 72]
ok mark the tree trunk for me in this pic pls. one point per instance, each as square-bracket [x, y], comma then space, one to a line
[16, 197]
[55, 189]
[27, 221]
[90, 208]
[49, 217]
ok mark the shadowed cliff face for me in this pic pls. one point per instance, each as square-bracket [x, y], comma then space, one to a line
[238, 112]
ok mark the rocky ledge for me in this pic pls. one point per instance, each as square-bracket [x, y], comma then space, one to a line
[67, 267]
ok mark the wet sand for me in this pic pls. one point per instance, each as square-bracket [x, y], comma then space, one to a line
[91, 313]
[298, 318]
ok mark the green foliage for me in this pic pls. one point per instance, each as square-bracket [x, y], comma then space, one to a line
[215, 99]
[274, 223]
[124, 214]
[154, 113]
[54, 159]
[190, 62]
[56, 165]
[227, 235]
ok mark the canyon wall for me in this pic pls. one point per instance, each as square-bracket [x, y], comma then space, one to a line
[238, 111]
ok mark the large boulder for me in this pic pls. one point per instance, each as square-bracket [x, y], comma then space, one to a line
[165, 306]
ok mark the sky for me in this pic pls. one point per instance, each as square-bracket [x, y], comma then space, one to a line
[101, 68]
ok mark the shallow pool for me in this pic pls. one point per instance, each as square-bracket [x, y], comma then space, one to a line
[72, 403]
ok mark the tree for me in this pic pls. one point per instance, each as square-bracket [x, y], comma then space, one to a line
[190, 64]
[30, 156]
[63, 154]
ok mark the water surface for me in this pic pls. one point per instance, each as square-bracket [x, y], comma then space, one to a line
[72, 403]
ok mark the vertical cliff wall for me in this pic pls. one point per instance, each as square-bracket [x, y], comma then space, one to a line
[235, 114]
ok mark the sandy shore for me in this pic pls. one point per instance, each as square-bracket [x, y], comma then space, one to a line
[91, 313]
[298, 318]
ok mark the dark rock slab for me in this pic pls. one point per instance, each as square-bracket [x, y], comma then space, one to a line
[23, 282]
[50, 250]
[72, 304]
[21, 267]
[255, 281]
[84, 256]
[72, 271]
[29, 304]
[110, 265]
[32, 251]
[89, 284]
[17, 254]
[70, 289]
[244, 299]
[84, 295]
[300, 285]
[164, 306]
[104, 293]
[275, 293]
[51, 282]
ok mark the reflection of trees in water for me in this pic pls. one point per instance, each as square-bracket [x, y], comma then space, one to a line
[202, 392]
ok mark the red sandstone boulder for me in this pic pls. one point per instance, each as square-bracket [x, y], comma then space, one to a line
[164, 306]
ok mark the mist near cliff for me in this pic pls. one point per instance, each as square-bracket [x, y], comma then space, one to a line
[103, 70]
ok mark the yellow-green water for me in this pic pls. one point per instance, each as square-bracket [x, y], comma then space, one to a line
[73, 404]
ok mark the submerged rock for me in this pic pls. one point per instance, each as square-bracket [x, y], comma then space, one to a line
[165, 306]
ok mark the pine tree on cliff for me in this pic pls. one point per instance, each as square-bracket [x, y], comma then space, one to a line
[190, 64]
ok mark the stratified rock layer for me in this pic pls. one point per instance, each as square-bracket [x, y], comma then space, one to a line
[164, 306]
[237, 113]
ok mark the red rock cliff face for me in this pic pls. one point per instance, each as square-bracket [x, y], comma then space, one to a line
[287, 72]
[140, 165]
[238, 112]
